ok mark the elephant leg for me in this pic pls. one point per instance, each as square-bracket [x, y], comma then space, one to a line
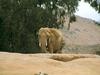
[50, 48]
[59, 44]
[59, 51]
[44, 50]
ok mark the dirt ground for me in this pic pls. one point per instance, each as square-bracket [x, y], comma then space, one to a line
[49, 64]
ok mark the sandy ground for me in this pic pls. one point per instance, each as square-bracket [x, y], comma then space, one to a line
[51, 64]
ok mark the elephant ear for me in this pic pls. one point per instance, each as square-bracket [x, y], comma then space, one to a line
[48, 33]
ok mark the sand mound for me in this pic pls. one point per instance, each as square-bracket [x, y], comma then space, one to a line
[49, 64]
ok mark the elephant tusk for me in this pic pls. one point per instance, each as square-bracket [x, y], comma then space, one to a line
[46, 44]
[40, 44]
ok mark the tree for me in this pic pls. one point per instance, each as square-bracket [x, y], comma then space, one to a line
[20, 20]
[72, 18]
[95, 4]
[61, 8]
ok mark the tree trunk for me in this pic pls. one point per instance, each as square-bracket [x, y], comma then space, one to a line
[69, 24]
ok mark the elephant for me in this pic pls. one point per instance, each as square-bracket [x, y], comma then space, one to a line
[50, 40]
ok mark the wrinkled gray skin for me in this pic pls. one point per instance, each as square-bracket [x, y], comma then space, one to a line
[50, 40]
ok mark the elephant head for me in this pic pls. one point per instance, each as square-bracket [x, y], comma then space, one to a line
[43, 36]
[50, 40]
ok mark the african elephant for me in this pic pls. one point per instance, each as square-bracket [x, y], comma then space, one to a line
[50, 40]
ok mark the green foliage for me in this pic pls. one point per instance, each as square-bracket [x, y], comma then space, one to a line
[97, 23]
[20, 20]
[94, 4]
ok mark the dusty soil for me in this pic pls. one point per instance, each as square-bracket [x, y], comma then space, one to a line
[49, 64]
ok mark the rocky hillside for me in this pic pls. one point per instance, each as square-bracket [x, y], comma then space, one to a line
[83, 37]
